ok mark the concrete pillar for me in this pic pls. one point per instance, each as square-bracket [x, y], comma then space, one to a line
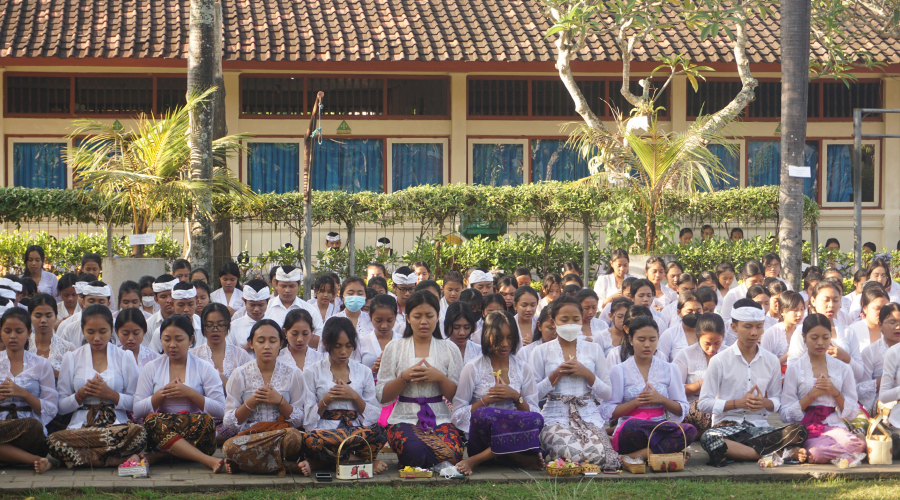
[890, 181]
[232, 116]
[678, 105]
[459, 152]
[3, 152]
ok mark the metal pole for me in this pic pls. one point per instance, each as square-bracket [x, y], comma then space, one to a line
[857, 189]
[814, 244]
[307, 196]
[586, 263]
[351, 243]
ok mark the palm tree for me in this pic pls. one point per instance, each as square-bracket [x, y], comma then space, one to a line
[650, 164]
[143, 174]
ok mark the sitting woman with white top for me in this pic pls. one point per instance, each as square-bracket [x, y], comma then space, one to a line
[96, 385]
[683, 335]
[760, 295]
[609, 286]
[342, 405]
[693, 363]
[592, 325]
[753, 273]
[179, 396]
[267, 400]
[421, 371]
[229, 293]
[621, 352]
[873, 357]
[625, 294]
[571, 374]
[820, 393]
[525, 302]
[612, 336]
[298, 328]
[459, 324]
[777, 339]
[44, 342]
[545, 331]
[131, 327]
[383, 311]
[871, 300]
[496, 403]
[28, 397]
[647, 397]
[353, 294]
[217, 351]
[655, 271]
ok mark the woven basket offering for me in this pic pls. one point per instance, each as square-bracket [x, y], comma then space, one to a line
[408, 472]
[667, 462]
[636, 467]
[563, 471]
[590, 468]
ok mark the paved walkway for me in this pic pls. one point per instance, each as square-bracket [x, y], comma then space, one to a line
[180, 477]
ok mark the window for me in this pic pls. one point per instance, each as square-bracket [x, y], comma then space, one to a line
[839, 173]
[273, 167]
[764, 165]
[170, 93]
[39, 164]
[839, 99]
[114, 96]
[352, 165]
[497, 162]
[498, 97]
[272, 96]
[348, 96]
[419, 97]
[554, 160]
[45, 95]
[621, 105]
[551, 98]
[417, 162]
[730, 163]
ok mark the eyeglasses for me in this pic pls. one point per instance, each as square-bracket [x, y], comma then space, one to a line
[773, 267]
[215, 327]
[404, 289]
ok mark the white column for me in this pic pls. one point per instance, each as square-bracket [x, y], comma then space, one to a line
[890, 181]
[459, 152]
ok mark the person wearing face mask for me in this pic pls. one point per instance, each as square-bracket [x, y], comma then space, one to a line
[742, 387]
[342, 405]
[148, 298]
[353, 294]
[571, 374]
[496, 403]
[647, 397]
[753, 273]
[693, 362]
[683, 335]
[266, 401]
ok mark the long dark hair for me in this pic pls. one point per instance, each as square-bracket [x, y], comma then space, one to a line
[181, 322]
[627, 349]
[456, 311]
[417, 299]
[490, 334]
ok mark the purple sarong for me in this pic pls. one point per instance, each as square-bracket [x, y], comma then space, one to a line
[504, 431]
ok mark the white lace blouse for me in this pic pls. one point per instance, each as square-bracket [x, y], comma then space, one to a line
[546, 358]
[873, 363]
[627, 382]
[890, 383]
[312, 356]
[692, 364]
[36, 378]
[199, 375]
[121, 375]
[671, 342]
[58, 348]
[401, 354]
[247, 379]
[799, 380]
[234, 357]
[477, 378]
[145, 356]
[846, 340]
[320, 380]
[774, 339]
[369, 346]
[329, 312]
[236, 302]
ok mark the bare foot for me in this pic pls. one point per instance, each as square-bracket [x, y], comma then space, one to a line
[304, 467]
[799, 454]
[530, 461]
[465, 467]
[41, 466]
[228, 465]
[378, 466]
[216, 464]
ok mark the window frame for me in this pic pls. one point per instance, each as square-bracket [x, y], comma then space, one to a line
[9, 164]
[244, 157]
[389, 163]
[745, 161]
[742, 180]
[879, 168]
[526, 152]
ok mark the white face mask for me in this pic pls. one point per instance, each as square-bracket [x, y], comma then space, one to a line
[568, 332]
[148, 301]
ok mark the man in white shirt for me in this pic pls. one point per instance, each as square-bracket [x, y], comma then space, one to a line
[741, 388]
[162, 294]
[95, 292]
[287, 285]
[256, 298]
[184, 301]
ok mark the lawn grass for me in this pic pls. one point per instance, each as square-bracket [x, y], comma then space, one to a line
[543, 490]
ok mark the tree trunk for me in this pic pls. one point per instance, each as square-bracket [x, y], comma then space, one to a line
[222, 232]
[201, 74]
[794, 88]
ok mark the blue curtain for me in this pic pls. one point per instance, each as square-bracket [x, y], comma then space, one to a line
[274, 167]
[553, 160]
[840, 172]
[498, 164]
[351, 165]
[39, 165]
[417, 164]
[731, 164]
[764, 165]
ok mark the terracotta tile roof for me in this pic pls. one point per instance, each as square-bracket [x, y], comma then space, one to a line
[342, 30]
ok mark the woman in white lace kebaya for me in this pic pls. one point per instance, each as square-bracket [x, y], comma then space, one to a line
[44, 342]
[496, 402]
[820, 393]
[298, 328]
[96, 386]
[571, 374]
[873, 357]
[420, 371]
[131, 327]
[216, 322]
[267, 400]
[28, 396]
[343, 406]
